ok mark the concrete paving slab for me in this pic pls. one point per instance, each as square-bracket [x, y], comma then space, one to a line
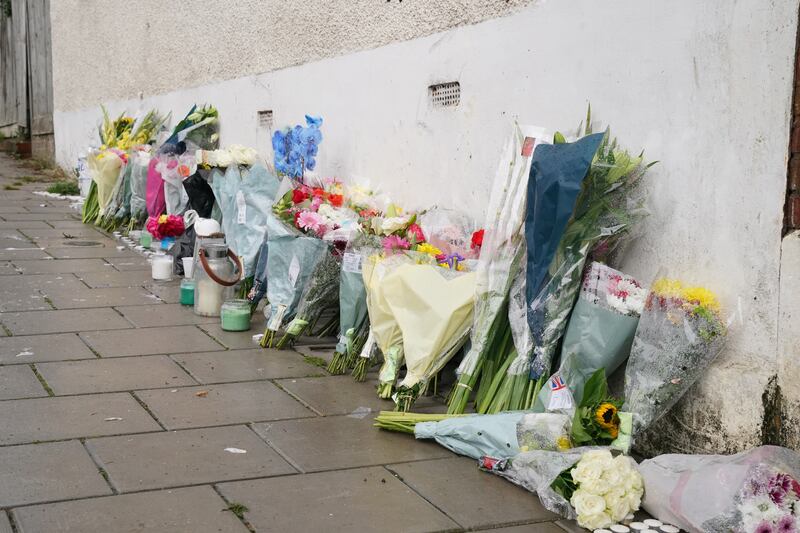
[62, 266]
[80, 232]
[19, 381]
[237, 340]
[7, 269]
[336, 442]
[81, 252]
[212, 405]
[71, 417]
[36, 282]
[149, 341]
[188, 457]
[114, 278]
[112, 375]
[5, 525]
[128, 262]
[337, 395]
[193, 509]
[36, 473]
[37, 348]
[70, 298]
[92, 242]
[37, 322]
[163, 315]
[542, 527]
[27, 254]
[245, 365]
[24, 224]
[23, 300]
[39, 216]
[66, 223]
[169, 292]
[363, 500]
[481, 500]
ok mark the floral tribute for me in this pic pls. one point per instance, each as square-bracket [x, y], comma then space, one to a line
[165, 226]
[770, 502]
[602, 489]
[296, 148]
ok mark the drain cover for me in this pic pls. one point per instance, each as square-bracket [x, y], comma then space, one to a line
[82, 243]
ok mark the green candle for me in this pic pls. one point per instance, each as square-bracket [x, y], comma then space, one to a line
[187, 292]
[145, 239]
[235, 315]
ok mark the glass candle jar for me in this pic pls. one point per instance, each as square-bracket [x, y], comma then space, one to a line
[145, 239]
[162, 267]
[235, 315]
[187, 292]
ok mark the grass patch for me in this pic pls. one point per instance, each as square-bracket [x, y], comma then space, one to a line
[316, 361]
[65, 188]
[11, 187]
[32, 179]
[42, 380]
[238, 509]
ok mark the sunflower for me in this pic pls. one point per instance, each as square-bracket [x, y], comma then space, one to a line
[606, 417]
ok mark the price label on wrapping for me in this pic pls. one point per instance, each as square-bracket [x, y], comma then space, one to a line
[352, 263]
[241, 205]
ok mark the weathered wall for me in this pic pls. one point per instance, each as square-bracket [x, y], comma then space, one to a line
[112, 49]
[785, 414]
[13, 57]
[704, 87]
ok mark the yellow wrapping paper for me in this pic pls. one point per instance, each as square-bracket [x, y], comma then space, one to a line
[104, 168]
[432, 308]
[382, 323]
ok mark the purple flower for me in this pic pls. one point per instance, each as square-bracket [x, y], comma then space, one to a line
[778, 486]
[787, 524]
[764, 527]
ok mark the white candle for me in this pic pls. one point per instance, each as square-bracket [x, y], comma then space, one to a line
[208, 298]
[162, 267]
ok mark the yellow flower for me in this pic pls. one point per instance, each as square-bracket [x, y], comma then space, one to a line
[563, 443]
[162, 219]
[444, 265]
[702, 297]
[670, 288]
[606, 417]
[429, 249]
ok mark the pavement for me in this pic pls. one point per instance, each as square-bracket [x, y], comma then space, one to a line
[122, 411]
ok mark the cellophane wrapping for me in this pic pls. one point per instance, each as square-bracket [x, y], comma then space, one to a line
[756, 490]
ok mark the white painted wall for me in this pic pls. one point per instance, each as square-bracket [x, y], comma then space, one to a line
[704, 87]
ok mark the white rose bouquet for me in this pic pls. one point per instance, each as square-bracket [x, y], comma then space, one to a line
[589, 485]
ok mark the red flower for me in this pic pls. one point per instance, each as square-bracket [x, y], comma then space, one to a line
[318, 192]
[296, 216]
[336, 200]
[298, 196]
[415, 233]
[477, 239]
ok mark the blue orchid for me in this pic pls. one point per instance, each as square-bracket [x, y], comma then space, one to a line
[296, 148]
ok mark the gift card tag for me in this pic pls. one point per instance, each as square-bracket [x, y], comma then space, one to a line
[294, 270]
[352, 263]
[276, 319]
[241, 205]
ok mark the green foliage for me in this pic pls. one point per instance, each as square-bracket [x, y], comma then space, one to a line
[585, 428]
[564, 484]
[65, 188]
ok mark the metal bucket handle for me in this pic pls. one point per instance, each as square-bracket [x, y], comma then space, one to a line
[226, 283]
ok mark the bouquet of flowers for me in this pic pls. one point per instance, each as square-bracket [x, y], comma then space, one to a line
[433, 309]
[295, 149]
[680, 333]
[588, 485]
[757, 491]
[139, 162]
[165, 226]
[292, 258]
[581, 196]
[105, 167]
[599, 334]
[199, 128]
[244, 190]
[173, 169]
[353, 317]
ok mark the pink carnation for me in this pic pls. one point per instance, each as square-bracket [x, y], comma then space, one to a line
[311, 221]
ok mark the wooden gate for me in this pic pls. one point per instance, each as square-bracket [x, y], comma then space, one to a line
[26, 72]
